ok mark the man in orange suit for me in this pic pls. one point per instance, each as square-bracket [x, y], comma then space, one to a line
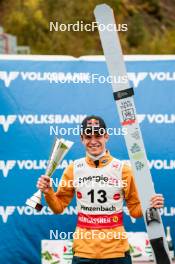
[101, 183]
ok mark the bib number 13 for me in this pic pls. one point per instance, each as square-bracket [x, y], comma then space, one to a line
[101, 194]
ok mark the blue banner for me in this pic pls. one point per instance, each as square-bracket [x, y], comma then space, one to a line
[43, 96]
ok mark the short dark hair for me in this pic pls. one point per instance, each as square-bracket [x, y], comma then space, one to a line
[93, 125]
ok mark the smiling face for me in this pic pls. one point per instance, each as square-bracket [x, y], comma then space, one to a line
[95, 144]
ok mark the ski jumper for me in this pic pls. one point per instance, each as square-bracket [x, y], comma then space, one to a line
[100, 190]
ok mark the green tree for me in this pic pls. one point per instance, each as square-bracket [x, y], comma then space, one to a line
[136, 32]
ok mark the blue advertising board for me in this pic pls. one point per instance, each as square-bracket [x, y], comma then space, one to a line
[41, 96]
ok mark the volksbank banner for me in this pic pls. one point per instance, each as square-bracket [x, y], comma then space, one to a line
[44, 96]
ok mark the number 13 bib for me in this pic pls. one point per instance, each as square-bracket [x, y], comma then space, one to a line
[99, 194]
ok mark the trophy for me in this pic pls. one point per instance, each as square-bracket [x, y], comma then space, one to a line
[59, 150]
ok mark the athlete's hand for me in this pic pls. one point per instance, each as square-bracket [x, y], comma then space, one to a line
[157, 201]
[44, 183]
